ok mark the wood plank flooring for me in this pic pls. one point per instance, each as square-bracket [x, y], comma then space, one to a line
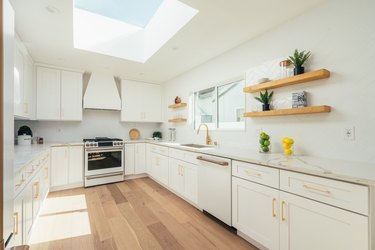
[139, 214]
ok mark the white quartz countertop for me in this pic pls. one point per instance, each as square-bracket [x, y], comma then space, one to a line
[24, 154]
[355, 172]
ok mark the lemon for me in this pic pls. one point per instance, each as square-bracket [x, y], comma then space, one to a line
[284, 140]
[288, 151]
[289, 141]
[287, 145]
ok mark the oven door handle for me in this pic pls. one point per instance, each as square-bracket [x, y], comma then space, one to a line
[100, 150]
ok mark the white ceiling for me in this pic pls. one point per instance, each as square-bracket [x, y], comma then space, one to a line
[219, 26]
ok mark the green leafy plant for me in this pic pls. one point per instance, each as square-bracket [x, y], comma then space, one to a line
[265, 97]
[157, 134]
[299, 58]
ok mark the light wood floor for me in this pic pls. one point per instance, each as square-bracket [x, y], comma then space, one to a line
[139, 214]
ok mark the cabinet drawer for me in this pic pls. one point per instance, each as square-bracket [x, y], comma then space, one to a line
[183, 155]
[256, 173]
[337, 193]
[159, 150]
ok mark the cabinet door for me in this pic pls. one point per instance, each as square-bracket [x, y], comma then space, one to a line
[18, 218]
[140, 158]
[71, 96]
[129, 159]
[36, 196]
[28, 212]
[132, 96]
[75, 168]
[44, 179]
[310, 225]
[190, 175]
[176, 179]
[18, 83]
[255, 212]
[148, 158]
[28, 87]
[59, 166]
[163, 172]
[48, 94]
[151, 96]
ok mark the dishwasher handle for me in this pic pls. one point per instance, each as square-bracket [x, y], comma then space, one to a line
[221, 163]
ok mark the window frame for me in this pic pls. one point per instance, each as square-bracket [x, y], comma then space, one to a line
[231, 126]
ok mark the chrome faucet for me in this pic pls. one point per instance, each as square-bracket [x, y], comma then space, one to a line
[208, 139]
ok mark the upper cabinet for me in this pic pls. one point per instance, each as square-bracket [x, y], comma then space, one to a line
[59, 94]
[141, 102]
[23, 83]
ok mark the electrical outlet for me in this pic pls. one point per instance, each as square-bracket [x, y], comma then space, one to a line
[349, 133]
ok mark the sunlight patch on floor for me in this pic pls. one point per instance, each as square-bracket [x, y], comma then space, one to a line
[61, 218]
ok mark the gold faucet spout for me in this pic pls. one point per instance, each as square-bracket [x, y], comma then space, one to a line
[208, 139]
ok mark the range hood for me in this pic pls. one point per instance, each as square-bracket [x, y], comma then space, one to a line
[102, 93]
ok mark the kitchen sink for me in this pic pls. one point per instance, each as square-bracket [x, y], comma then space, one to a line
[192, 145]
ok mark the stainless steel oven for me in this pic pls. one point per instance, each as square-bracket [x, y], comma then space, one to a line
[103, 164]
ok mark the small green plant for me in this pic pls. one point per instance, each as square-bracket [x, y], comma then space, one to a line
[265, 98]
[157, 134]
[299, 58]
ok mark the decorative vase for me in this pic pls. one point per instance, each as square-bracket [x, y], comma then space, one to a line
[299, 70]
[266, 107]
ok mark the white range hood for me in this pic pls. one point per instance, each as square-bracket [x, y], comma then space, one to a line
[102, 93]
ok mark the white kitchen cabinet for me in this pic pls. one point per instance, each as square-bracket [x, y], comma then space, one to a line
[36, 194]
[29, 88]
[66, 166]
[18, 219]
[28, 212]
[140, 158]
[141, 102]
[59, 94]
[159, 165]
[44, 179]
[135, 158]
[59, 166]
[183, 178]
[310, 225]
[18, 83]
[256, 212]
[129, 159]
[71, 96]
[75, 166]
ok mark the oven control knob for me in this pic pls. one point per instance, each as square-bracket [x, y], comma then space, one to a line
[121, 143]
[87, 144]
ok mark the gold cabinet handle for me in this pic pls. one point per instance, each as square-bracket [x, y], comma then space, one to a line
[283, 203]
[36, 185]
[46, 173]
[15, 221]
[251, 173]
[273, 207]
[320, 190]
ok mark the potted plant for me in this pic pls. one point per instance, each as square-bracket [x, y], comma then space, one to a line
[157, 135]
[298, 59]
[265, 98]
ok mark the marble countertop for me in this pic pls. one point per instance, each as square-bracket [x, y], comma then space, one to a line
[24, 154]
[355, 172]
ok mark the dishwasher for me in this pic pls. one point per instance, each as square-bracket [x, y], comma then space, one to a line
[214, 187]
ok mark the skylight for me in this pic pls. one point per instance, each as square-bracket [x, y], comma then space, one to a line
[128, 29]
[135, 12]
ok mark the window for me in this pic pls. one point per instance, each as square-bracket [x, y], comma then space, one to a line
[221, 107]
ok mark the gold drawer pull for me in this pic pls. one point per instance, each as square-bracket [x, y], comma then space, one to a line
[36, 184]
[316, 189]
[15, 218]
[283, 203]
[273, 207]
[255, 174]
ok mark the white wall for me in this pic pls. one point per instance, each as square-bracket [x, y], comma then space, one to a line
[341, 36]
[95, 123]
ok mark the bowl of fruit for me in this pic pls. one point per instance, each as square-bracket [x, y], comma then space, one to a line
[264, 142]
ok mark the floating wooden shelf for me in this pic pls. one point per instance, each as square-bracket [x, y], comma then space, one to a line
[176, 120]
[292, 111]
[306, 77]
[179, 105]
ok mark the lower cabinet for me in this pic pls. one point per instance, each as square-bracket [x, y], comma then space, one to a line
[281, 220]
[159, 167]
[135, 158]
[310, 225]
[255, 211]
[183, 179]
[18, 219]
[66, 166]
